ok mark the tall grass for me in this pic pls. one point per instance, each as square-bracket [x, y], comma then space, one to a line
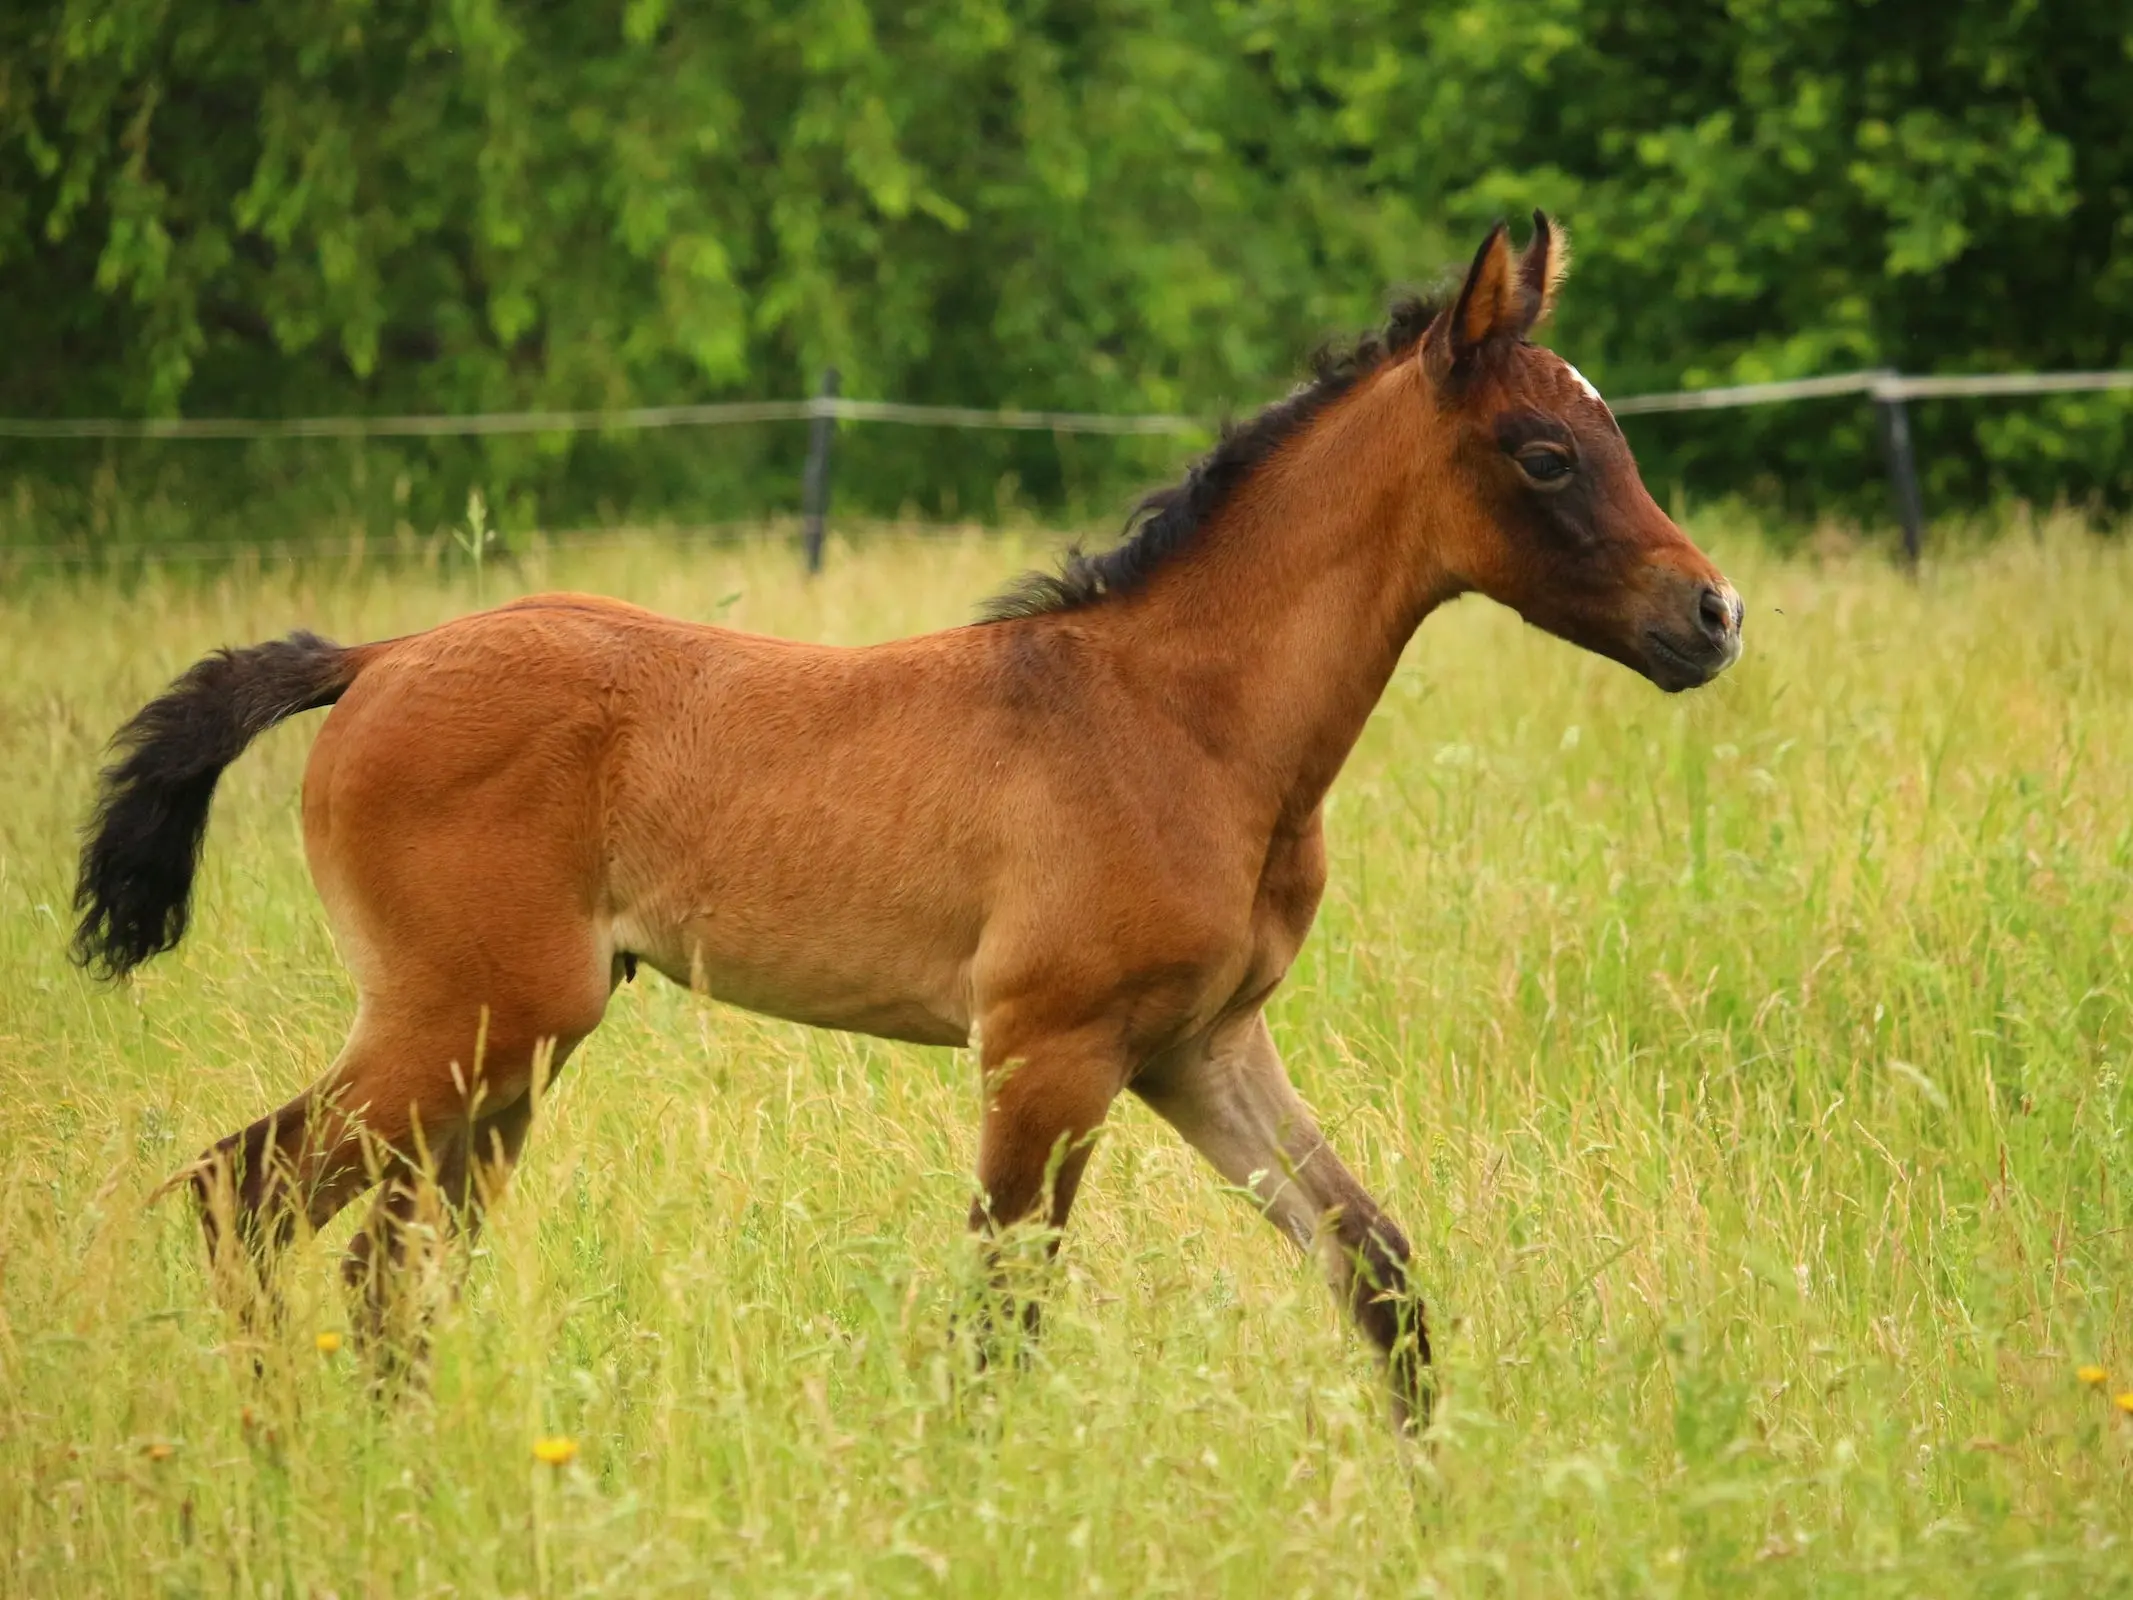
[1750, 1068]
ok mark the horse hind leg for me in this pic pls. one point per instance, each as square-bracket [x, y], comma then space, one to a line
[301, 1162]
[396, 1270]
[402, 1105]
[459, 885]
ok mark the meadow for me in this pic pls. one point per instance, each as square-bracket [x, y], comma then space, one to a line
[1750, 1069]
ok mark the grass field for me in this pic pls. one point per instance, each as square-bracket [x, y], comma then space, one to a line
[1750, 1068]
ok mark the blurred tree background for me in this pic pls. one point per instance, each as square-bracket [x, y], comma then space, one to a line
[210, 208]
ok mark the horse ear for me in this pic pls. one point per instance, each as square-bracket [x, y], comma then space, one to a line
[1491, 302]
[1543, 267]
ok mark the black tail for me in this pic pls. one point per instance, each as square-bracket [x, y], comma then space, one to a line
[142, 845]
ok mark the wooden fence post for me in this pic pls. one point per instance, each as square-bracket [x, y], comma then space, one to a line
[1903, 471]
[815, 481]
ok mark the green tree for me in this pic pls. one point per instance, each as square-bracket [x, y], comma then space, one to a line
[328, 205]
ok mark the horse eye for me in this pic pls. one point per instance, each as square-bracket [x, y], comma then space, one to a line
[1544, 465]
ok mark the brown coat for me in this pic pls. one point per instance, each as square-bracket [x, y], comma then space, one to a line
[1086, 836]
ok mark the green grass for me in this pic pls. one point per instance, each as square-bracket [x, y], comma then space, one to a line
[1750, 1069]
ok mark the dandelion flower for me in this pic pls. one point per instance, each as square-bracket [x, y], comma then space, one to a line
[327, 1342]
[554, 1450]
[2124, 1402]
[161, 1452]
[2091, 1374]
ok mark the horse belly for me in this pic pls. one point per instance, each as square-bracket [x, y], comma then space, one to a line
[811, 841]
[833, 969]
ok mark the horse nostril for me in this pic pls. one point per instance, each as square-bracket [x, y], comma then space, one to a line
[1714, 608]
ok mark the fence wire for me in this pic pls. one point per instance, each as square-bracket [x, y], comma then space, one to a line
[1887, 388]
[1880, 385]
[623, 420]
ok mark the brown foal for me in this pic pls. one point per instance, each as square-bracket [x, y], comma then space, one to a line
[1084, 836]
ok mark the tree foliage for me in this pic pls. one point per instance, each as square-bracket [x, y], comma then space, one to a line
[329, 205]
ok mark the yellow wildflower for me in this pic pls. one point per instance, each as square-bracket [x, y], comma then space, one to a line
[2124, 1402]
[2091, 1374]
[555, 1450]
[327, 1342]
[161, 1452]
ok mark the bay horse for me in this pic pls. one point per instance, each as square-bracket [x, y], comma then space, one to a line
[1083, 836]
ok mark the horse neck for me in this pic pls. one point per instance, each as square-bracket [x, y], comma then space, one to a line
[1283, 621]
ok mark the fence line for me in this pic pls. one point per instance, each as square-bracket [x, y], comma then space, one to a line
[1889, 390]
[1747, 394]
[1881, 385]
[625, 419]
[1966, 385]
[421, 548]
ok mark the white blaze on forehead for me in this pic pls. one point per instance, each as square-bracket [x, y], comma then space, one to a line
[1583, 382]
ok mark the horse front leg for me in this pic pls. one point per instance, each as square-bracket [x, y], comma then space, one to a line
[1235, 1105]
[1043, 1107]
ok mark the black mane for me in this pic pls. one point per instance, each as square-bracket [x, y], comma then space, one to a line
[1165, 520]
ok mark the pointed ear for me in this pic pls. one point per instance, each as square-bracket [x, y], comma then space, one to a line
[1543, 267]
[1491, 302]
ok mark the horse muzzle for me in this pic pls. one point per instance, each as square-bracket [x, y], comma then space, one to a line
[1689, 651]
